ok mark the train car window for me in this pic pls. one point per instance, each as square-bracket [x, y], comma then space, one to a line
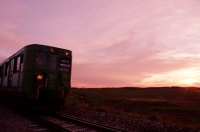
[7, 69]
[21, 62]
[41, 58]
[16, 64]
[53, 58]
[11, 66]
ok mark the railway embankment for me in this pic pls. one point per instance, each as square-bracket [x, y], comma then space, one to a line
[11, 121]
[125, 123]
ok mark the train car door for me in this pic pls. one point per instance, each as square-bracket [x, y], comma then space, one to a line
[65, 69]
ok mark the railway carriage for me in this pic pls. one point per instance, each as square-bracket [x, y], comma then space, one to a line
[37, 72]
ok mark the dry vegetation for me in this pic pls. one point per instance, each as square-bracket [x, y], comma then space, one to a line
[175, 106]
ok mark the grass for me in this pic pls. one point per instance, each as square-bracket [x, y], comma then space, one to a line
[175, 106]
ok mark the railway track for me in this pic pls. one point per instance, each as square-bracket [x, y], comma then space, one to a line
[43, 120]
[64, 123]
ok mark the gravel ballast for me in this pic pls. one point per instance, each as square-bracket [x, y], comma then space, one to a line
[13, 122]
[124, 123]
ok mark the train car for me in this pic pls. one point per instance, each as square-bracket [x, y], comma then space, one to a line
[37, 72]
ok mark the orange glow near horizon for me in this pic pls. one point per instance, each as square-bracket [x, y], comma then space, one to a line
[190, 81]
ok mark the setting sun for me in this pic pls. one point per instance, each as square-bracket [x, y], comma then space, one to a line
[190, 81]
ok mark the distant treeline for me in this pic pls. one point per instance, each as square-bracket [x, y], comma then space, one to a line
[171, 87]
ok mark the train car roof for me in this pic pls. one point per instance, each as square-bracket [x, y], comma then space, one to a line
[29, 45]
[44, 46]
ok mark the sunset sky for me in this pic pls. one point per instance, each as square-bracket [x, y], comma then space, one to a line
[115, 43]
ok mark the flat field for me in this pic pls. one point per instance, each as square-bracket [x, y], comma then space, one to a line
[174, 106]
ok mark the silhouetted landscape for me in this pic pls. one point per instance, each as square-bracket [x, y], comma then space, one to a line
[174, 105]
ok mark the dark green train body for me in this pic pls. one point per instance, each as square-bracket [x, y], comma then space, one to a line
[37, 72]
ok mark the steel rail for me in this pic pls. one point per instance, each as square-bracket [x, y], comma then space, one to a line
[89, 124]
